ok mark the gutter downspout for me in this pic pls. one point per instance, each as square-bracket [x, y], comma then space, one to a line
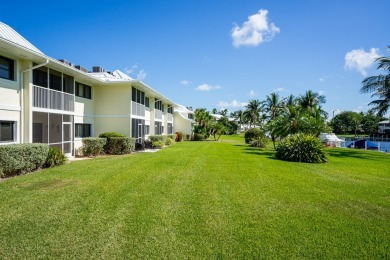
[22, 96]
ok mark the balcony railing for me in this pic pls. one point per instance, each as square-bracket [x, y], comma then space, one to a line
[137, 109]
[158, 114]
[52, 99]
[170, 117]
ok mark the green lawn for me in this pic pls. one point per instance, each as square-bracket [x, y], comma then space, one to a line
[201, 200]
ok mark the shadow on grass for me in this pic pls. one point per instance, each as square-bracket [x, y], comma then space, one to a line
[260, 151]
[355, 153]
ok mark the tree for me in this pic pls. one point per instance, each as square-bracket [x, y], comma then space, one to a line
[311, 100]
[272, 106]
[224, 112]
[253, 110]
[346, 122]
[214, 111]
[380, 86]
[239, 115]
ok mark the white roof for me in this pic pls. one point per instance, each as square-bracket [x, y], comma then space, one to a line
[384, 122]
[9, 34]
[121, 75]
[182, 109]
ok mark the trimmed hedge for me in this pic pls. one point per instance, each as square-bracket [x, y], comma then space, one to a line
[18, 159]
[256, 138]
[172, 136]
[93, 146]
[119, 145]
[301, 148]
[111, 134]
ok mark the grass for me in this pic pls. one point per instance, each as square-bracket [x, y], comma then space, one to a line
[201, 200]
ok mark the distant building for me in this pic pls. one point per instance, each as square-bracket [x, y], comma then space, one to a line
[384, 127]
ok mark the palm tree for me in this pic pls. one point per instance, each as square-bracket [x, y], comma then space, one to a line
[380, 85]
[272, 106]
[311, 100]
[290, 121]
[239, 115]
[223, 112]
[253, 110]
[214, 111]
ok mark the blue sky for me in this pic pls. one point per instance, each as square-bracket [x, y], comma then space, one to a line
[218, 54]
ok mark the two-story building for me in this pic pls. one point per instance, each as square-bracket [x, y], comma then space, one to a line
[44, 100]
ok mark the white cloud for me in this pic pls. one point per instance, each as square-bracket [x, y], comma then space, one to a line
[254, 31]
[279, 90]
[252, 93]
[234, 103]
[131, 70]
[185, 82]
[321, 79]
[141, 75]
[207, 87]
[360, 60]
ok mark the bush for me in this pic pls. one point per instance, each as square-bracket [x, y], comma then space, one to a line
[154, 138]
[179, 136]
[18, 159]
[157, 144]
[93, 146]
[172, 136]
[199, 137]
[252, 134]
[119, 145]
[169, 141]
[188, 137]
[301, 148]
[55, 157]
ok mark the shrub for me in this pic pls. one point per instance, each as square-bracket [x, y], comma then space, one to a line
[93, 146]
[199, 137]
[154, 138]
[119, 145]
[18, 159]
[55, 157]
[179, 136]
[169, 141]
[172, 136]
[301, 148]
[188, 137]
[252, 134]
[157, 144]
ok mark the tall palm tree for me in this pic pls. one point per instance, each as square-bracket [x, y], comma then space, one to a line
[272, 106]
[214, 111]
[311, 100]
[380, 85]
[239, 115]
[253, 110]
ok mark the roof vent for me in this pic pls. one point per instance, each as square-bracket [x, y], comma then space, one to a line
[81, 68]
[98, 69]
[66, 62]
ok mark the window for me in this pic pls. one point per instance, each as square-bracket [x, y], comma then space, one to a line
[7, 130]
[158, 128]
[147, 129]
[159, 105]
[147, 102]
[137, 96]
[83, 91]
[190, 116]
[82, 130]
[7, 69]
[138, 129]
[40, 77]
[170, 128]
[170, 110]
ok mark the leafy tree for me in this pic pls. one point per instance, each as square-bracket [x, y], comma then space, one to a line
[380, 86]
[346, 122]
[214, 111]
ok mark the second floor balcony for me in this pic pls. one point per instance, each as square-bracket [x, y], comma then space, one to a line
[52, 99]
